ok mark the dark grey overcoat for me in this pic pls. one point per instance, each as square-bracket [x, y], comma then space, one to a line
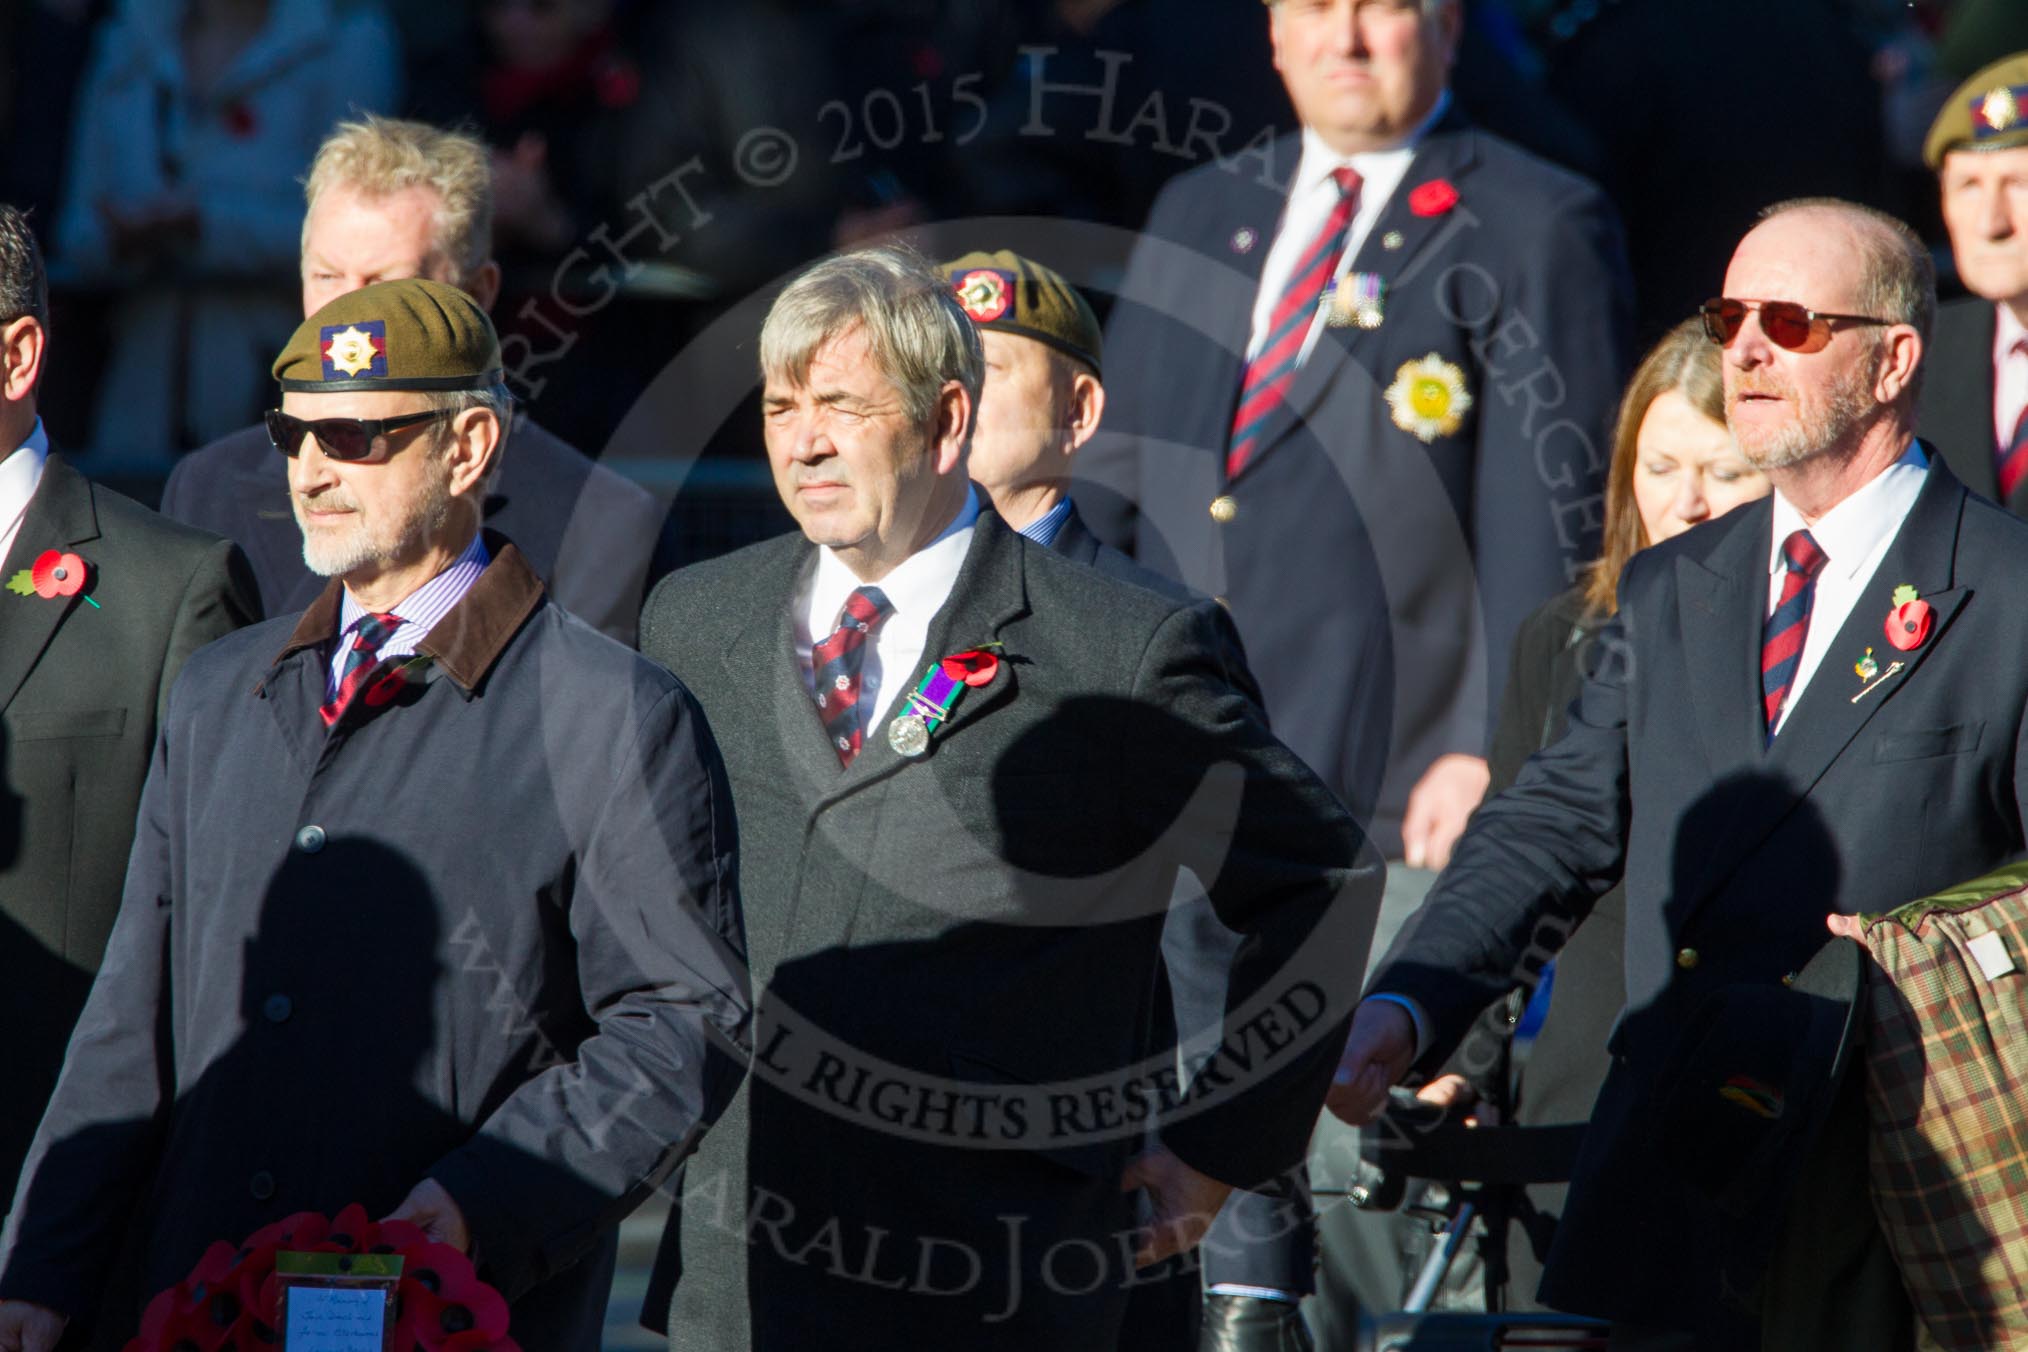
[960, 952]
[487, 934]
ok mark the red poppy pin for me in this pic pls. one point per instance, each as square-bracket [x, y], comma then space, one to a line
[53, 575]
[975, 668]
[1908, 624]
[1433, 198]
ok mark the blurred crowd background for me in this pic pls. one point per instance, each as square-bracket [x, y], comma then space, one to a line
[160, 145]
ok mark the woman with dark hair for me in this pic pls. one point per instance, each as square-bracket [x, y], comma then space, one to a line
[1674, 466]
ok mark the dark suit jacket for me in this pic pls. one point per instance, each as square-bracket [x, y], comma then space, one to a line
[986, 919]
[1377, 579]
[596, 539]
[1957, 398]
[1732, 853]
[81, 691]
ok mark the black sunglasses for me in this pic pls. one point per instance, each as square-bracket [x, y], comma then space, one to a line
[1786, 324]
[354, 440]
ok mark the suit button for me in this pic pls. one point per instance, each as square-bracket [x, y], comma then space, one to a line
[261, 1186]
[1223, 509]
[310, 839]
[277, 1008]
[1686, 958]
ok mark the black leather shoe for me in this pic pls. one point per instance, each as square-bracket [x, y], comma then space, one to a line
[1252, 1324]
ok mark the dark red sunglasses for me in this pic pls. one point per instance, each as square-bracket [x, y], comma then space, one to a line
[1786, 324]
[355, 440]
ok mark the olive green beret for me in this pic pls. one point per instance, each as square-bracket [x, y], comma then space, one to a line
[1004, 291]
[407, 335]
[1987, 112]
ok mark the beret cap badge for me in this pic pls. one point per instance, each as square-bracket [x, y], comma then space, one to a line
[2000, 109]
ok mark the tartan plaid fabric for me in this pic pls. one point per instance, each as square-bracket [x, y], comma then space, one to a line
[1947, 1099]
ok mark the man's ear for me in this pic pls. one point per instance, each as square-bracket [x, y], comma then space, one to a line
[953, 428]
[1900, 355]
[484, 286]
[22, 342]
[1087, 407]
[474, 445]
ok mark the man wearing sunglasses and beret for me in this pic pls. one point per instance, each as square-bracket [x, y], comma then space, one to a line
[1808, 709]
[433, 905]
[1977, 406]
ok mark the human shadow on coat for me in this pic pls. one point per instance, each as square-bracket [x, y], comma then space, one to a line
[40, 995]
[336, 1089]
[996, 935]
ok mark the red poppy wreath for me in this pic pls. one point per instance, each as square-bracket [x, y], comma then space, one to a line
[230, 1300]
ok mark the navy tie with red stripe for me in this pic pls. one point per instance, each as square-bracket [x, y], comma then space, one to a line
[838, 661]
[373, 629]
[2014, 458]
[1781, 648]
[1272, 369]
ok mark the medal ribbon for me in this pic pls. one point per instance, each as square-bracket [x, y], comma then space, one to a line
[934, 696]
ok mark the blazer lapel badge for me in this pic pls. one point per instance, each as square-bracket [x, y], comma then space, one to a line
[1908, 626]
[936, 695]
[1428, 398]
[54, 575]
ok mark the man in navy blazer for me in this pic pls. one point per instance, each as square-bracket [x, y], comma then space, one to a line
[1428, 470]
[1810, 708]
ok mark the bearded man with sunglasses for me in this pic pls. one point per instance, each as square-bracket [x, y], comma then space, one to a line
[1810, 708]
[433, 905]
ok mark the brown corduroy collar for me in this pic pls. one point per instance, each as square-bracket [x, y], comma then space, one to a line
[469, 639]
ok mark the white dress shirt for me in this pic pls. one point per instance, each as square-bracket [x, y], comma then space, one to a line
[917, 589]
[20, 472]
[1854, 536]
[2010, 376]
[1312, 195]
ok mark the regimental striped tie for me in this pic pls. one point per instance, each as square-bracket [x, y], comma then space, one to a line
[1272, 369]
[1781, 648]
[2013, 463]
[373, 629]
[837, 662]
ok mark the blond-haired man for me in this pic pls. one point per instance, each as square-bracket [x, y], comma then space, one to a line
[386, 200]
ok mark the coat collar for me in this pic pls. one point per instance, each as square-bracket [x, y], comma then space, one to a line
[1722, 600]
[467, 642]
[60, 515]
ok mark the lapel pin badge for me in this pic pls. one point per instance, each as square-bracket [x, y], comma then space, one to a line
[1428, 398]
[1393, 239]
[1243, 239]
[53, 575]
[1908, 624]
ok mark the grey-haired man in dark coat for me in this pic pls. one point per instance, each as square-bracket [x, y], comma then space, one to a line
[968, 770]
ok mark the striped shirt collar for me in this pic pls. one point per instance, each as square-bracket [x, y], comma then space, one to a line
[1044, 529]
[420, 610]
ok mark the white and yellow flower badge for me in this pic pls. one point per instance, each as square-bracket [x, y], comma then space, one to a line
[1429, 398]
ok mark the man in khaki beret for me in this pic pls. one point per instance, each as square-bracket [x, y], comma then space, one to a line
[433, 904]
[1976, 408]
[1042, 400]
